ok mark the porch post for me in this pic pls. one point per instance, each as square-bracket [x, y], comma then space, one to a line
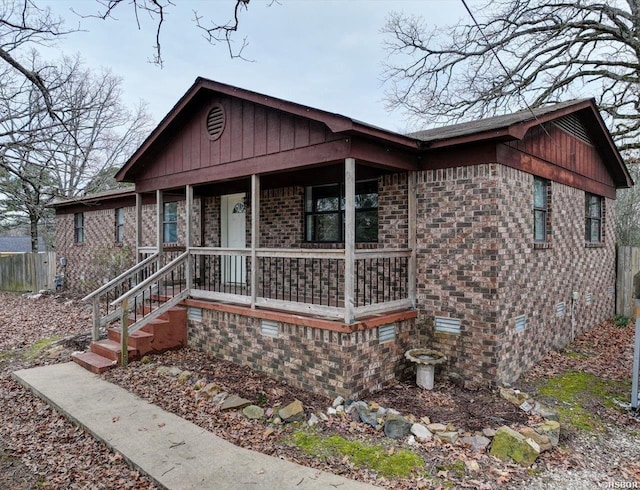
[255, 235]
[138, 226]
[189, 231]
[159, 227]
[349, 236]
[411, 224]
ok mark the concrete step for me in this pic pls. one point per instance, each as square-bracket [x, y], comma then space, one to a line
[93, 362]
[139, 340]
[111, 350]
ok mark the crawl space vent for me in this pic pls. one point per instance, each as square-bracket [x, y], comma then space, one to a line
[560, 307]
[588, 298]
[387, 333]
[215, 121]
[447, 325]
[194, 314]
[269, 328]
[521, 323]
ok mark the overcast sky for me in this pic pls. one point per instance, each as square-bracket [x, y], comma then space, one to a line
[323, 53]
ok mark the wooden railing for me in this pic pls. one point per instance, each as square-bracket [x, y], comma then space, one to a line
[151, 298]
[103, 310]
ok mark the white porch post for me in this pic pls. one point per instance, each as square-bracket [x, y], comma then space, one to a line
[189, 231]
[255, 235]
[349, 236]
[159, 227]
[138, 226]
[412, 224]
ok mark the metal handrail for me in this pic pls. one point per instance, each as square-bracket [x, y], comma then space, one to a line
[133, 291]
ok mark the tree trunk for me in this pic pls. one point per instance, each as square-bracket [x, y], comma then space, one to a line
[33, 221]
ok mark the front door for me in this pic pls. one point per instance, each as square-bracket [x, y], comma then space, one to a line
[233, 235]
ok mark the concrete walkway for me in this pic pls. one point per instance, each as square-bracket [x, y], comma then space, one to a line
[175, 453]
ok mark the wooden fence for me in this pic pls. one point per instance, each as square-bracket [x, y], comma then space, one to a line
[27, 271]
[627, 280]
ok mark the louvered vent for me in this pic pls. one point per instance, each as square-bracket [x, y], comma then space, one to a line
[521, 323]
[269, 328]
[572, 125]
[387, 333]
[447, 325]
[194, 314]
[215, 121]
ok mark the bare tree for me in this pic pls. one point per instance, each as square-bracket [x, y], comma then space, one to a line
[520, 52]
[42, 159]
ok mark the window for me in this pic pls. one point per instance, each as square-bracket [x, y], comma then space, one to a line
[170, 222]
[78, 228]
[324, 212]
[593, 218]
[119, 218]
[540, 209]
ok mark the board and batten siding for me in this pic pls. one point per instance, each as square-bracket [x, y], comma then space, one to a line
[251, 131]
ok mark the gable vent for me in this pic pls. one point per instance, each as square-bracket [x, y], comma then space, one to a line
[215, 121]
[573, 125]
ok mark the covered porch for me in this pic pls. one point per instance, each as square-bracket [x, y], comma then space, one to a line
[344, 281]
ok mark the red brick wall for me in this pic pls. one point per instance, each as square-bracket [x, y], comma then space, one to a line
[477, 263]
[314, 359]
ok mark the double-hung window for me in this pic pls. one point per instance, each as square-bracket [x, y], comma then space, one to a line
[540, 209]
[170, 222]
[119, 224]
[325, 211]
[78, 228]
[593, 218]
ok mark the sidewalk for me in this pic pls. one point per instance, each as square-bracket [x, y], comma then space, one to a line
[173, 452]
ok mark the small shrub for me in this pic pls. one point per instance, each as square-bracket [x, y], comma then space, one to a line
[621, 320]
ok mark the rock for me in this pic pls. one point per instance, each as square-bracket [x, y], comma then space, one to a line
[437, 427]
[526, 406]
[331, 411]
[489, 433]
[55, 351]
[209, 391]
[545, 411]
[323, 417]
[366, 415]
[551, 429]
[234, 402]
[425, 420]
[253, 412]
[219, 398]
[477, 443]
[421, 432]
[374, 406]
[277, 421]
[269, 413]
[509, 444]
[542, 440]
[267, 432]
[451, 428]
[198, 385]
[163, 370]
[184, 376]
[447, 437]
[292, 412]
[339, 400]
[145, 360]
[174, 371]
[391, 411]
[514, 396]
[313, 420]
[340, 409]
[472, 465]
[397, 428]
[411, 440]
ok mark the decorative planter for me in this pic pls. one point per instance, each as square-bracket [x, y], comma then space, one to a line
[425, 360]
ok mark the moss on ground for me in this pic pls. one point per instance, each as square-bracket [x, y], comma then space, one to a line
[390, 464]
[35, 349]
[576, 391]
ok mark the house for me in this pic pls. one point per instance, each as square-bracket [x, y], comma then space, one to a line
[318, 249]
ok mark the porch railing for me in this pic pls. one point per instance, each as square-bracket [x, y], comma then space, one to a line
[302, 280]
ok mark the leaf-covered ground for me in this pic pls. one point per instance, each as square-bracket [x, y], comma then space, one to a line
[40, 449]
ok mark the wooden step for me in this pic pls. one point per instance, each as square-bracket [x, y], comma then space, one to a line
[111, 350]
[93, 362]
[139, 340]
